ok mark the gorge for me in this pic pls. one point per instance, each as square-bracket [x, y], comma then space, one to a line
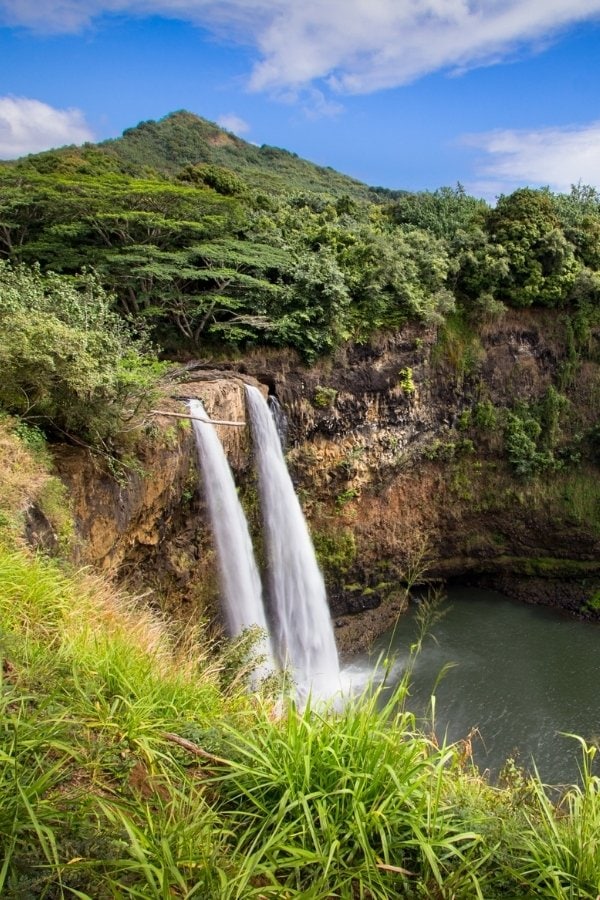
[437, 361]
[394, 485]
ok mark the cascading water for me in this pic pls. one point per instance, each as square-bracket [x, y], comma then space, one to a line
[280, 418]
[303, 634]
[240, 581]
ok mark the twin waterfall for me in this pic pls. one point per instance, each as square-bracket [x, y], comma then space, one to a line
[240, 581]
[302, 630]
[298, 621]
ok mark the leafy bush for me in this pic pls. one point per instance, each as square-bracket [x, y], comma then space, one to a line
[521, 439]
[324, 397]
[69, 363]
[406, 380]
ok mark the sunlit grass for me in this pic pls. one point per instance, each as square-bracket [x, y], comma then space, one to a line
[136, 764]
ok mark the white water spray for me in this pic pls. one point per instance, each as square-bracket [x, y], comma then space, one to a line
[303, 634]
[240, 581]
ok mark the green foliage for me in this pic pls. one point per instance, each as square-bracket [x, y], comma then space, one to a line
[532, 433]
[350, 810]
[183, 139]
[32, 436]
[593, 602]
[222, 180]
[550, 409]
[542, 264]
[335, 549]
[458, 345]
[522, 433]
[406, 381]
[575, 494]
[560, 849]
[443, 212]
[129, 771]
[324, 397]
[69, 363]
[485, 415]
[211, 243]
[346, 496]
[449, 450]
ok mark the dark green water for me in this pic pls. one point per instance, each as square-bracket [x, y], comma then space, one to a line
[520, 674]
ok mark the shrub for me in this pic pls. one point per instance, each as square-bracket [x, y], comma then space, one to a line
[406, 381]
[522, 439]
[69, 363]
[324, 397]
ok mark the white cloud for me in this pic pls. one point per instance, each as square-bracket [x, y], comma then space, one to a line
[233, 123]
[356, 46]
[28, 126]
[558, 157]
[317, 106]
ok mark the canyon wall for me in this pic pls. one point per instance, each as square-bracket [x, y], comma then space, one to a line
[401, 476]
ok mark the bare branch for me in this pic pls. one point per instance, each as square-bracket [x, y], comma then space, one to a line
[164, 412]
[194, 748]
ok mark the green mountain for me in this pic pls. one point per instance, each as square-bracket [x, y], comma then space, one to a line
[183, 139]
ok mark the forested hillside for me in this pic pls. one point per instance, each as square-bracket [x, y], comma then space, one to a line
[439, 360]
[203, 245]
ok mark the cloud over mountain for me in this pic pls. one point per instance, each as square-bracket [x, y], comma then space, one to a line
[355, 46]
[557, 157]
[28, 126]
[234, 123]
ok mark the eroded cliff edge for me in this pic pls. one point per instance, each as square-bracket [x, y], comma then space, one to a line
[399, 456]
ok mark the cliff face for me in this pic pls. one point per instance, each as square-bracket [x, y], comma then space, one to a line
[145, 523]
[399, 453]
[397, 482]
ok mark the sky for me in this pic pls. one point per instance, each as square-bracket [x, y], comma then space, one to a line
[413, 94]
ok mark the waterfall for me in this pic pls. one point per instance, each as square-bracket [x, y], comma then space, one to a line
[240, 581]
[303, 634]
[280, 419]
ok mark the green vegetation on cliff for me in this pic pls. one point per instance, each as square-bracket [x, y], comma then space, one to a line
[134, 762]
[212, 244]
[69, 363]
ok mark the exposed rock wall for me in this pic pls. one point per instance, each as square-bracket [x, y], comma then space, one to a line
[391, 487]
[380, 455]
[145, 523]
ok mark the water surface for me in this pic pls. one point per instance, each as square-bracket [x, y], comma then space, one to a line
[519, 674]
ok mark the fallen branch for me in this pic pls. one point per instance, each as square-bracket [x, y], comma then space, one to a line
[163, 412]
[191, 747]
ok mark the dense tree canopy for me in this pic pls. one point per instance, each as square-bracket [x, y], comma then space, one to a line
[69, 362]
[203, 254]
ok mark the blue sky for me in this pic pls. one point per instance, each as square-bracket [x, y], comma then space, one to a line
[402, 93]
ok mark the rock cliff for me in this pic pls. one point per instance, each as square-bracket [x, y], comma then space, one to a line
[397, 482]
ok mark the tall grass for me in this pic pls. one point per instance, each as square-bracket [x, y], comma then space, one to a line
[350, 806]
[561, 844]
[131, 767]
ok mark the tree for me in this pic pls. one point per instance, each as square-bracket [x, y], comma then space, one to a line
[442, 212]
[542, 267]
[69, 362]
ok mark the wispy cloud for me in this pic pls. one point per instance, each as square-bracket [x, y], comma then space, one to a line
[558, 157]
[354, 46]
[28, 126]
[317, 105]
[233, 123]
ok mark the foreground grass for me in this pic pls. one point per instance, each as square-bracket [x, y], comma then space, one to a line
[134, 764]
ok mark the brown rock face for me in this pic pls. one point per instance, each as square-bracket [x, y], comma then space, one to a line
[384, 453]
[381, 452]
[117, 512]
[145, 523]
